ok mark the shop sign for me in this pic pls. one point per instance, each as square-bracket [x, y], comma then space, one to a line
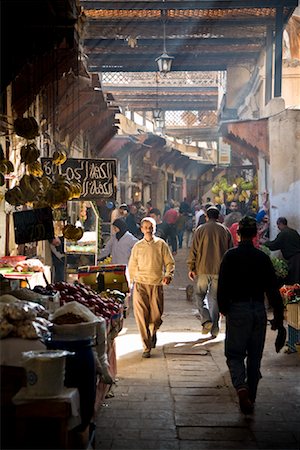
[98, 177]
[33, 225]
[224, 153]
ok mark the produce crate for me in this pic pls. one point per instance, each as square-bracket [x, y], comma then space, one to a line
[293, 315]
[293, 338]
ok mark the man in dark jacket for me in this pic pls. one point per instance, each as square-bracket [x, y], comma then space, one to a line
[288, 242]
[162, 228]
[131, 222]
[242, 303]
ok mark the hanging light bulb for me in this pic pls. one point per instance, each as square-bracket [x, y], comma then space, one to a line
[164, 61]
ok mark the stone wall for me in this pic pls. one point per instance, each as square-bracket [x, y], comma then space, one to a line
[284, 133]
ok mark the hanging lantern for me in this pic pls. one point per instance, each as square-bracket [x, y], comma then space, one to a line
[157, 113]
[164, 63]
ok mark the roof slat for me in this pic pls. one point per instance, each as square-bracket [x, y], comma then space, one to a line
[181, 4]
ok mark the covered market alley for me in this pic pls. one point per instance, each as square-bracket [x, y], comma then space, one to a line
[182, 397]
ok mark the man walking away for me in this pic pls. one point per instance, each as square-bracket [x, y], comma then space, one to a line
[151, 265]
[243, 306]
[211, 240]
[170, 217]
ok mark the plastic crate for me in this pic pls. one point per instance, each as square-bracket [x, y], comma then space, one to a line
[293, 338]
[293, 315]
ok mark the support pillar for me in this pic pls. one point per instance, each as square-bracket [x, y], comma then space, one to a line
[278, 52]
[269, 65]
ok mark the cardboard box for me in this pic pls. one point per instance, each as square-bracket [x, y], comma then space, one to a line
[293, 315]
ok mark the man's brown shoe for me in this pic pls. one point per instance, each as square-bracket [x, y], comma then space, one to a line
[146, 354]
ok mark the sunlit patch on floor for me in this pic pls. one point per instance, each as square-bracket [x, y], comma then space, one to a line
[131, 342]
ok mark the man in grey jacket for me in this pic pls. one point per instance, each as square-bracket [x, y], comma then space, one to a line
[211, 240]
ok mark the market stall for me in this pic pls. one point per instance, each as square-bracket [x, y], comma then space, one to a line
[55, 197]
[86, 327]
[83, 251]
[21, 272]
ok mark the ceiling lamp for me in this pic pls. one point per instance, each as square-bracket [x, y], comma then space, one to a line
[164, 61]
[157, 113]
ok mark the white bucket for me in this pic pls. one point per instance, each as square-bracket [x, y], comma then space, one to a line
[45, 372]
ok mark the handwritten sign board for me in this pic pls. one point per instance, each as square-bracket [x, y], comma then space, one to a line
[224, 153]
[96, 176]
[33, 225]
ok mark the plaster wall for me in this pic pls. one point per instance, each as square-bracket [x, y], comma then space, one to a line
[263, 176]
[291, 86]
[284, 133]
[237, 78]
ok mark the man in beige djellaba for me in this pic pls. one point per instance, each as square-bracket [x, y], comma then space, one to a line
[151, 266]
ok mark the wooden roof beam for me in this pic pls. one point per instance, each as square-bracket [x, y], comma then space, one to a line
[185, 5]
[118, 89]
[100, 45]
[142, 57]
[170, 106]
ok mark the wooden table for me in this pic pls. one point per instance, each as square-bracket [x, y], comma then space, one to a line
[44, 423]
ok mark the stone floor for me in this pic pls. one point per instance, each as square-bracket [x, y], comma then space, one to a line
[182, 398]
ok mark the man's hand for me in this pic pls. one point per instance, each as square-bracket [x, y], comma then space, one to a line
[166, 280]
[192, 275]
[276, 324]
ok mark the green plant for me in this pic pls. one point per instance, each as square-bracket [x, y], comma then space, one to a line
[280, 265]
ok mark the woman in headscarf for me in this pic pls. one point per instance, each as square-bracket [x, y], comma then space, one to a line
[120, 243]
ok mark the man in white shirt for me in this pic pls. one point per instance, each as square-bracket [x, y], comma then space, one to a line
[151, 265]
[117, 213]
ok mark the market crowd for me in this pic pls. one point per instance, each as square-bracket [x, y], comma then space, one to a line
[222, 241]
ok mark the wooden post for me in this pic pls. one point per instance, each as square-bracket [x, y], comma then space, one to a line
[278, 52]
[269, 65]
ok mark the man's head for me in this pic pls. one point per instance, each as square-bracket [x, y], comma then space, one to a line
[233, 206]
[123, 208]
[155, 214]
[247, 228]
[212, 213]
[148, 227]
[281, 223]
[207, 205]
[133, 209]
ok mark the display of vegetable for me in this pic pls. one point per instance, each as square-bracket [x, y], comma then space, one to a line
[290, 293]
[237, 189]
[107, 306]
[279, 264]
